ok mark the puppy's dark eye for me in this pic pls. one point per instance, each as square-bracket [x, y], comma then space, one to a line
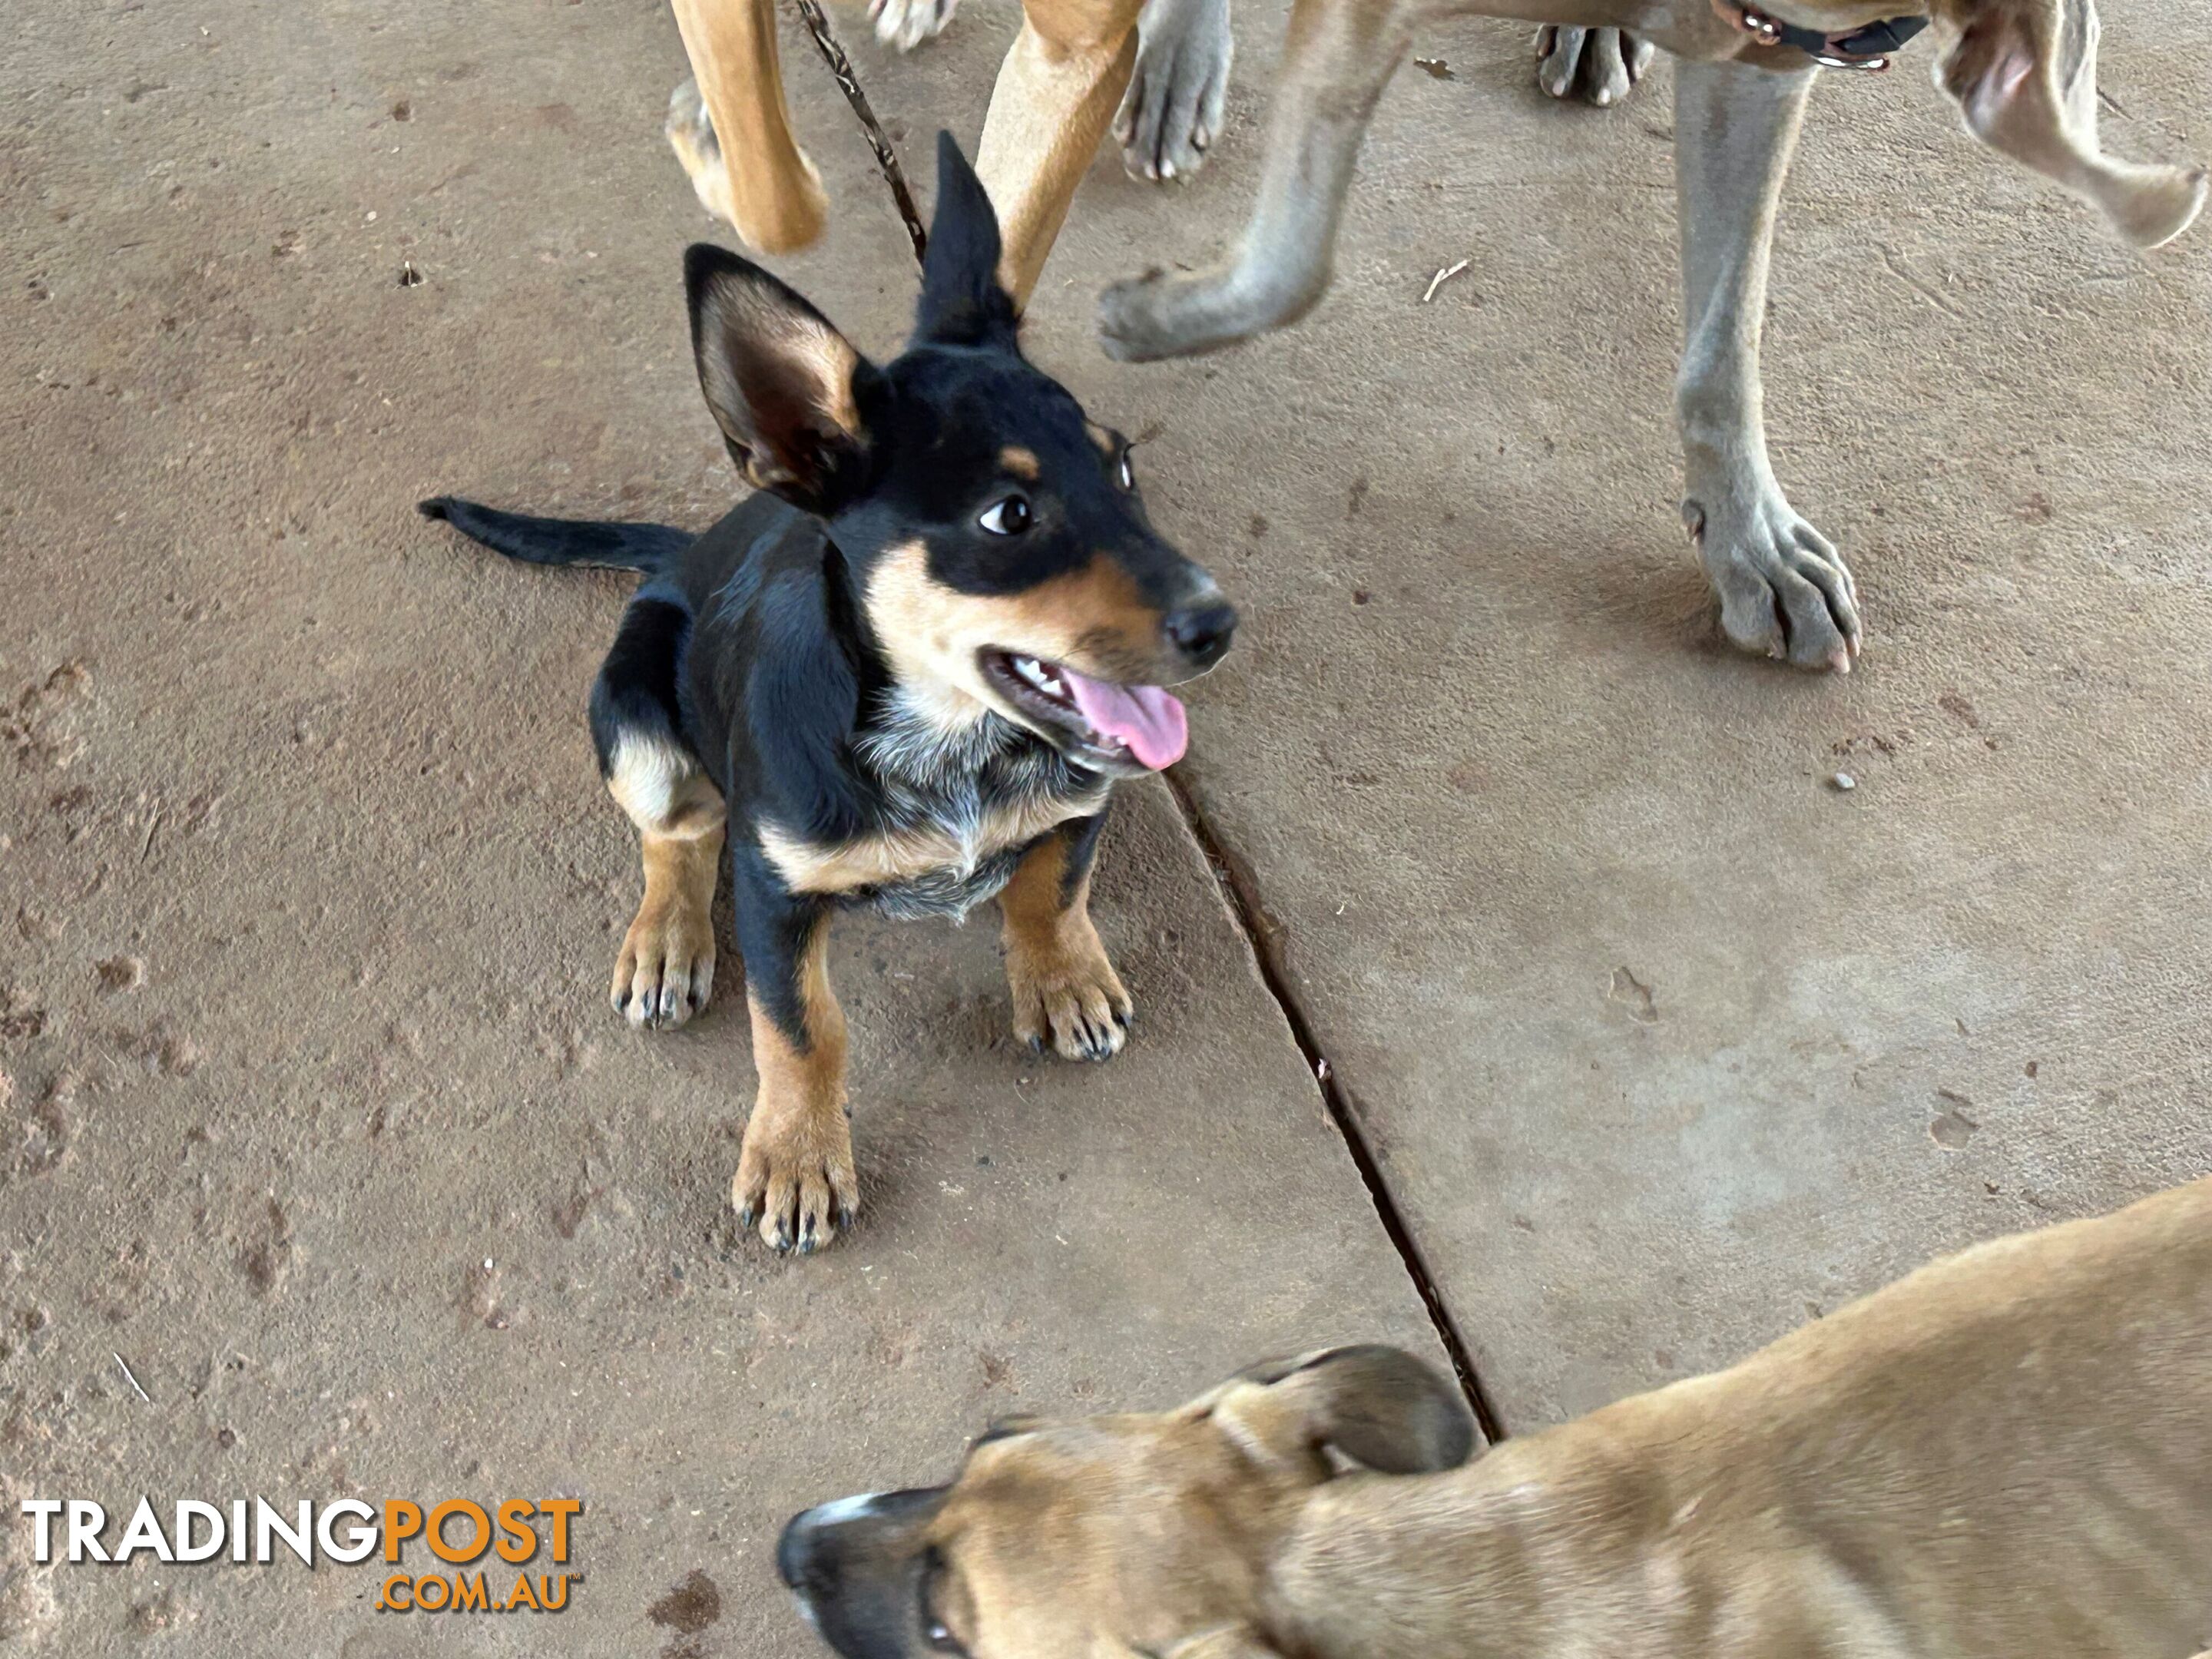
[1129, 472]
[1008, 518]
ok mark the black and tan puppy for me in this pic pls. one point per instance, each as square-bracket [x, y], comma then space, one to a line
[904, 675]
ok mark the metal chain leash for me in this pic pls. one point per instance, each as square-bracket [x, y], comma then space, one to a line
[887, 161]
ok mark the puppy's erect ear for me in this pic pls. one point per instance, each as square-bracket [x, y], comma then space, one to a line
[962, 303]
[2025, 76]
[856, 1567]
[1379, 1406]
[785, 386]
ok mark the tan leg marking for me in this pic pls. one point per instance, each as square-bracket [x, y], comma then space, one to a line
[773, 195]
[795, 1173]
[1063, 985]
[666, 969]
[1056, 92]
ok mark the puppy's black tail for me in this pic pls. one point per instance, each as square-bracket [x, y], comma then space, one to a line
[647, 547]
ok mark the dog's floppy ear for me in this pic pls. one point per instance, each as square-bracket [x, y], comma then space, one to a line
[856, 1567]
[785, 386]
[962, 301]
[1377, 1406]
[2024, 73]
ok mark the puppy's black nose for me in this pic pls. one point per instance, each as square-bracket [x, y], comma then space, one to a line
[1202, 631]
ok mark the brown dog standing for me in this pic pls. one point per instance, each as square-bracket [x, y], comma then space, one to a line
[2006, 1455]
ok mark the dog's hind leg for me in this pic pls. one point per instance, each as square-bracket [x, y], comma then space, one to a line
[730, 127]
[1065, 991]
[1172, 112]
[1340, 56]
[1055, 95]
[1602, 65]
[666, 968]
[1784, 589]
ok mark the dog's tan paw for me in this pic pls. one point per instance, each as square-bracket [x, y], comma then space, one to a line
[786, 206]
[690, 133]
[1067, 993]
[666, 968]
[795, 1178]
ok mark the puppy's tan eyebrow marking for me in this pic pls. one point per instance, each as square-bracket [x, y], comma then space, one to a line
[1021, 463]
[1109, 445]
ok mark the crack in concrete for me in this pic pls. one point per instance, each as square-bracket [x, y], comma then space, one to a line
[1242, 895]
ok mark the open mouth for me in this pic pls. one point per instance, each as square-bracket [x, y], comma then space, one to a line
[1113, 722]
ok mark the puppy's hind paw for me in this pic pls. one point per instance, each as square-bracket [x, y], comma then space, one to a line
[1600, 66]
[1172, 112]
[666, 969]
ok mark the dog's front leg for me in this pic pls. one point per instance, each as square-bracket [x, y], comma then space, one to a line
[1339, 57]
[1784, 589]
[795, 1175]
[729, 126]
[1065, 988]
[1055, 97]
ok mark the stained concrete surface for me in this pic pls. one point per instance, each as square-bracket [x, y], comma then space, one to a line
[1661, 1040]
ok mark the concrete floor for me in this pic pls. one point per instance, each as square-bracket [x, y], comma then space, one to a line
[313, 1112]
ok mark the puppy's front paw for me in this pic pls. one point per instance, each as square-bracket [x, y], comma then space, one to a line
[1065, 991]
[666, 968]
[1784, 590]
[905, 24]
[1172, 111]
[1602, 65]
[795, 1176]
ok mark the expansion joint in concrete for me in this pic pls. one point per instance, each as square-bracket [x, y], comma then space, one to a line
[1242, 894]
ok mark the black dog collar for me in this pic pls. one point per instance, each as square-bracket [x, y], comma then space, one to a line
[1867, 49]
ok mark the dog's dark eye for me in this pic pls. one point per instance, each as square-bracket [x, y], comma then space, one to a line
[1129, 472]
[1008, 518]
[934, 1630]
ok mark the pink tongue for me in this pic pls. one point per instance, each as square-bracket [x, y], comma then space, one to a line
[1144, 717]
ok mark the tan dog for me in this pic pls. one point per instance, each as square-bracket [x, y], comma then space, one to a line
[2008, 1456]
[2023, 73]
[1073, 64]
